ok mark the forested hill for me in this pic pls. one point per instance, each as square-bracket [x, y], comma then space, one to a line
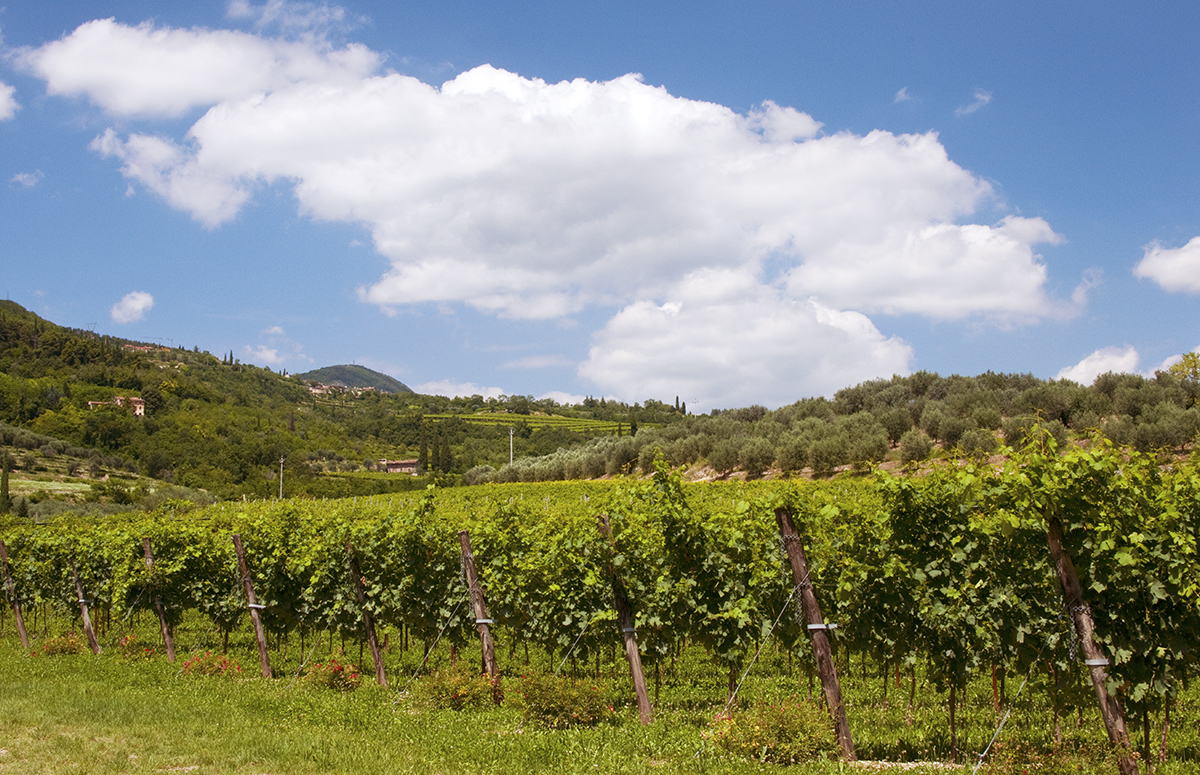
[353, 376]
[222, 426]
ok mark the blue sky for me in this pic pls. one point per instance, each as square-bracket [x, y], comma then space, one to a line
[732, 203]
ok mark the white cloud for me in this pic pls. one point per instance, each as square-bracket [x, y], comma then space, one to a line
[274, 349]
[538, 200]
[725, 340]
[982, 98]
[902, 96]
[27, 179]
[1122, 360]
[940, 271]
[536, 362]
[1175, 269]
[150, 71]
[8, 101]
[452, 389]
[132, 307]
[288, 16]
[565, 399]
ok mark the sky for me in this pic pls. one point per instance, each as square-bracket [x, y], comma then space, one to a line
[728, 203]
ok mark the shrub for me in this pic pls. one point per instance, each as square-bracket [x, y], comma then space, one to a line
[559, 703]
[132, 651]
[67, 643]
[914, 446]
[456, 688]
[333, 674]
[756, 457]
[978, 443]
[211, 664]
[787, 733]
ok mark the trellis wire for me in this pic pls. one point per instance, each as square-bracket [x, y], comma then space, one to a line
[758, 651]
[1011, 705]
[421, 666]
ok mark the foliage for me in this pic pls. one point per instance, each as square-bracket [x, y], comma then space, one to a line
[213, 665]
[559, 703]
[333, 674]
[67, 643]
[785, 733]
[458, 687]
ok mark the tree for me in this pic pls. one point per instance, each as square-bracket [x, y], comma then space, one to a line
[5, 503]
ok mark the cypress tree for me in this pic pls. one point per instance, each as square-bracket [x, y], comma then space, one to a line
[423, 454]
[5, 503]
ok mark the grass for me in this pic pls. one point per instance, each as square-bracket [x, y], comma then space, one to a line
[107, 714]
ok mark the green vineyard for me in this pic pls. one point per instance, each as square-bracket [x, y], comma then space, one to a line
[952, 577]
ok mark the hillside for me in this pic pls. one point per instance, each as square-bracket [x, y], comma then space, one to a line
[221, 426]
[352, 376]
[187, 418]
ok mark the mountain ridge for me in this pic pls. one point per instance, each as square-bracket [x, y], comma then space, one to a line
[354, 376]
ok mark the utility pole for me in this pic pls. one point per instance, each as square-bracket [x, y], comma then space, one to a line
[281, 477]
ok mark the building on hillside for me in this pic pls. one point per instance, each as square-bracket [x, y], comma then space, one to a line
[398, 466]
[138, 405]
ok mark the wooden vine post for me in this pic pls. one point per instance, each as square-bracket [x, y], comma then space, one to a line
[83, 609]
[168, 639]
[817, 629]
[368, 622]
[628, 632]
[482, 622]
[255, 608]
[1093, 657]
[11, 589]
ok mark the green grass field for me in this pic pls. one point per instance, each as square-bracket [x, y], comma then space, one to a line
[112, 714]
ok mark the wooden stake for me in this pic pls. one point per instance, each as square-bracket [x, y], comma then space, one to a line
[252, 601]
[12, 595]
[368, 622]
[83, 608]
[820, 640]
[1081, 617]
[168, 640]
[487, 646]
[625, 620]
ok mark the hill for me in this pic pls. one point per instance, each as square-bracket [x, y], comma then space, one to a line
[355, 377]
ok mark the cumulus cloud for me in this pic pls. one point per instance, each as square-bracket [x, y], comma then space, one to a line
[565, 399]
[26, 179]
[132, 307]
[151, 71]
[452, 389]
[992, 270]
[8, 101]
[1175, 269]
[724, 339]
[537, 200]
[290, 17]
[982, 98]
[1122, 360]
[274, 349]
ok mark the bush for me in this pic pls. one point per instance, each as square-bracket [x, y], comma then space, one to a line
[67, 643]
[787, 733]
[456, 688]
[333, 674]
[724, 455]
[977, 443]
[559, 703]
[915, 446]
[211, 664]
[132, 651]
[756, 457]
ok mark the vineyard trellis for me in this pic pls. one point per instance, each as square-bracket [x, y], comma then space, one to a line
[951, 570]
